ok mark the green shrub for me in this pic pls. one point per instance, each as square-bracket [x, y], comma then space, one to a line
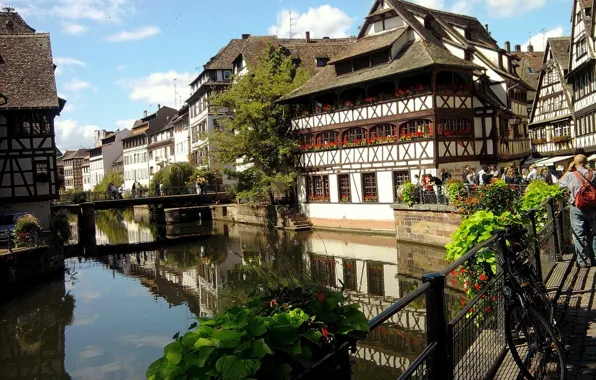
[456, 190]
[27, 231]
[277, 336]
[113, 177]
[409, 193]
[539, 191]
[498, 197]
[60, 227]
[175, 176]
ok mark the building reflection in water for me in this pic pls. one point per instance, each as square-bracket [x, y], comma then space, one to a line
[32, 330]
[376, 271]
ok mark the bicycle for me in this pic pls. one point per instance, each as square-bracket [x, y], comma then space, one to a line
[530, 327]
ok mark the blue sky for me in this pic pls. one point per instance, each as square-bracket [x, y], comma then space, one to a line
[117, 58]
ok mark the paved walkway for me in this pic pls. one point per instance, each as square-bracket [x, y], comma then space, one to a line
[576, 311]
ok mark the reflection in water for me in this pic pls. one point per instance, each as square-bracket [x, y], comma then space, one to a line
[119, 327]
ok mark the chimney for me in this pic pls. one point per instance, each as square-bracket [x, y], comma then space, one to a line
[307, 36]
[486, 26]
[245, 36]
[507, 46]
[158, 106]
[530, 48]
[325, 38]
[518, 48]
[145, 114]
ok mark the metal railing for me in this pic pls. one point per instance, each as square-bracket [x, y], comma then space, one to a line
[470, 343]
[439, 194]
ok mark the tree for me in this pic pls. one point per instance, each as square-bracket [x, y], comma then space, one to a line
[259, 133]
[175, 176]
[112, 177]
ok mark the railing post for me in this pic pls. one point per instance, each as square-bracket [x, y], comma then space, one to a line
[551, 216]
[436, 325]
[532, 215]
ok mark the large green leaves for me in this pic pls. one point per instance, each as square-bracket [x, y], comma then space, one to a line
[173, 352]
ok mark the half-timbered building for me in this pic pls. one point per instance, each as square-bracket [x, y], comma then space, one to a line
[420, 90]
[529, 63]
[28, 169]
[581, 76]
[73, 169]
[552, 124]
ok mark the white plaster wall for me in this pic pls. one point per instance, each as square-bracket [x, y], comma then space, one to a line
[364, 211]
[356, 187]
[455, 51]
[333, 188]
[385, 187]
[141, 168]
[39, 209]
[181, 145]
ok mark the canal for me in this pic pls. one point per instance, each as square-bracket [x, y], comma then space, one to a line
[110, 317]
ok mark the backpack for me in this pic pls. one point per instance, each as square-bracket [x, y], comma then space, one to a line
[586, 196]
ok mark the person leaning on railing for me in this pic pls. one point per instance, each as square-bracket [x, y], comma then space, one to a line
[583, 218]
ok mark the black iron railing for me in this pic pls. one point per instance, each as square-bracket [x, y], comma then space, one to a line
[470, 343]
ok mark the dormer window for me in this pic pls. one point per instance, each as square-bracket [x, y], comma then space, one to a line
[588, 11]
[322, 61]
[467, 34]
[227, 74]
[468, 56]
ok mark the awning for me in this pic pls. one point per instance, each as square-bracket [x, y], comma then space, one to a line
[592, 157]
[552, 161]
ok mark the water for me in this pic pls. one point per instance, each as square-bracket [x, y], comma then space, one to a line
[109, 318]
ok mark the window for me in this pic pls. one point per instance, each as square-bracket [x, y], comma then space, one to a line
[322, 62]
[42, 172]
[369, 184]
[227, 74]
[350, 280]
[327, 137]
[317, 188]
[361, 62]
[454, 126]
[343, 181]
[418, 127]
[376, 278]
[383, 130]
[399, 178]
[582, 48]
[32, 124]
[354, 135]
[306, 141]
[380, 57]
[343, 67]
[323, 269]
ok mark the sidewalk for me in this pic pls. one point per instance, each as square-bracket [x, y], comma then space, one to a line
[576, 312]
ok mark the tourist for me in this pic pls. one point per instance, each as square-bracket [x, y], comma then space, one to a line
[494, 171]
[121, 192]
[445, 176]
[583, 221]
[470, 177]
[134, 190]
[509, 176]
[157, 187]
[198, 187]
[533, 173]
[416, 180]
[554, 176]
[438, 187]
[465, 172]
[161, 190]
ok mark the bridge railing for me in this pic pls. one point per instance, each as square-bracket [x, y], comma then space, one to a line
[469, 343]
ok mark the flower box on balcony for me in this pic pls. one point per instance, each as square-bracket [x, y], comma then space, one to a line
[345, 199]
[457, 133]
[538, 141]
[370, 198]
[318, 198]
[560, 139]
[415, 136]
[331, 145]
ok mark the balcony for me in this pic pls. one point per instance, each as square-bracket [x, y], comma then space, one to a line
[402, 102]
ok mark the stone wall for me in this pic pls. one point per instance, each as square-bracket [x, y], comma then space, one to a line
[256, 215]
[426, 224]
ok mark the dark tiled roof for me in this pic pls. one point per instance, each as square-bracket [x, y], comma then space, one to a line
[529, 68]
[225, 57]
[12, 23]
[416, 56]
[27, 72]
[559, 46]
[370, 44]
[79, 153]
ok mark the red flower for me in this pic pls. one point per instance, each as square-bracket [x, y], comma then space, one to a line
[477, 286]
[483, 277]
[324, 332]
[321, 296]
[463, 302]
[488, 309]
[272, 303]
[462, 270]
[453, 282]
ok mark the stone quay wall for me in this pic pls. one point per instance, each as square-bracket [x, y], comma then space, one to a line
[425, 224]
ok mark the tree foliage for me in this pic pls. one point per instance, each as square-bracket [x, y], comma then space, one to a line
[112, 177]
[259, 133]
[174, 176]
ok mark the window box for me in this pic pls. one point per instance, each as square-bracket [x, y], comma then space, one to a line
[560, 139]
[538, 141]
[415, 136]
[370, 199]
[318, 198]
[345, 198]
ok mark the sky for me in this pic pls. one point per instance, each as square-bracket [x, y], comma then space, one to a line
[117, 58]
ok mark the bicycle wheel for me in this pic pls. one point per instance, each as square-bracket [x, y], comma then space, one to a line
[534, 344]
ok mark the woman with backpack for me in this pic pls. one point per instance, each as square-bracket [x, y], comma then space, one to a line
[582, 199]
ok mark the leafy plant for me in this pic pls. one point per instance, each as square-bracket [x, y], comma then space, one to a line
[455, 190]
[496, 197]
[408, 193]
[60, 227]
[539, 191]
[276, 337]
[27, 231]
[173, 177]
[113, 177]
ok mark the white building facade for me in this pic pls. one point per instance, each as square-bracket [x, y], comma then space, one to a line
[161, 150]
[182, 136]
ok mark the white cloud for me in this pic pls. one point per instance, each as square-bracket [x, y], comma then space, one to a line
[121, 67]
[68, 61]
[512, 8]
[76, 85]
[157, 88]
[71, 135]
[100, 11]
[125, 124]
[539, 40]
[463, 6]
[69, 107]
[433, 4]
[324, 21]
[74, 29]
[133, 35]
